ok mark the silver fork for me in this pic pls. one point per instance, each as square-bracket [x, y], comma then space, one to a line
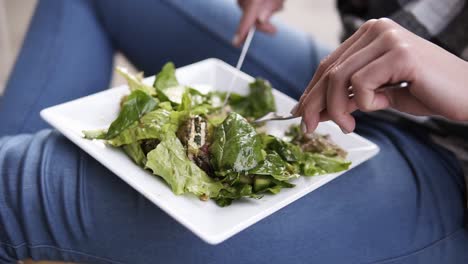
[273, 116]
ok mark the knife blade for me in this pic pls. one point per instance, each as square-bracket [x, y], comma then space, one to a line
[245, 48]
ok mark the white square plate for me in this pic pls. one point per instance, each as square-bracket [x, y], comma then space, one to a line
[210, 222]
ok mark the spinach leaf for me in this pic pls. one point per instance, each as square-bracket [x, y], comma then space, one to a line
[149, 127]
[135, 106]
[170, 161]
[241, 104]
[258, 103]
[236, 145]
[279, 185]
[230, 193]
[286, 150]
[262, 99]
[266, 183]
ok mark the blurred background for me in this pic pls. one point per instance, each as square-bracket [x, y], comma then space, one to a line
[318, 18]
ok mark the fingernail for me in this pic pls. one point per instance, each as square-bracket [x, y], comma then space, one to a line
[294, 109]
[235, 40]
[303, 127]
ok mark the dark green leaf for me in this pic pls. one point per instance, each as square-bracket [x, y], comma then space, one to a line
[275, 166]
[279, 185]
[236, 145]
[286, 150]
[135, 106]
[228, 194]
[149, 127]
[262, 98]
[259, 102]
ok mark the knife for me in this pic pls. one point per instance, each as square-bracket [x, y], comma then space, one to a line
[245, 48]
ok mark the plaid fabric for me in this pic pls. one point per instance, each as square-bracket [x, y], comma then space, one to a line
[444, 22]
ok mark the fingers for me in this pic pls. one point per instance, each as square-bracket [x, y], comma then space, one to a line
[324, 116]
[266, 27]
[383, 70]
[313, 106]
[268, 9]
[392, 67]
[337, 102]
[249, 17]
[366, 34]
[335, 85]
[256, 13]
[329, 61]
[389, 68]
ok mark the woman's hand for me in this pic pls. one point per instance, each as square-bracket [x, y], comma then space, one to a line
[379, 53]
[258, 13]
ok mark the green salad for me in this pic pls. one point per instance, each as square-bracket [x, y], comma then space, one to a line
[200, 147]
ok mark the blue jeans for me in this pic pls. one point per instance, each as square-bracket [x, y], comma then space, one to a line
[406, 205]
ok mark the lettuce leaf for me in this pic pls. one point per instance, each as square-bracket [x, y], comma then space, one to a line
[136, 153]
[167, 86]
[169, 160]
[327, 164]
[95, 134]
[166, 77]
[135, 82]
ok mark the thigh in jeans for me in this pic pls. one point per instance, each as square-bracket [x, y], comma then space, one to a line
[58, 203]
[65, 55]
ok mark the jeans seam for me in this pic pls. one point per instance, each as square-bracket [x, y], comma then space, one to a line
[405, 255]
[40, 246]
